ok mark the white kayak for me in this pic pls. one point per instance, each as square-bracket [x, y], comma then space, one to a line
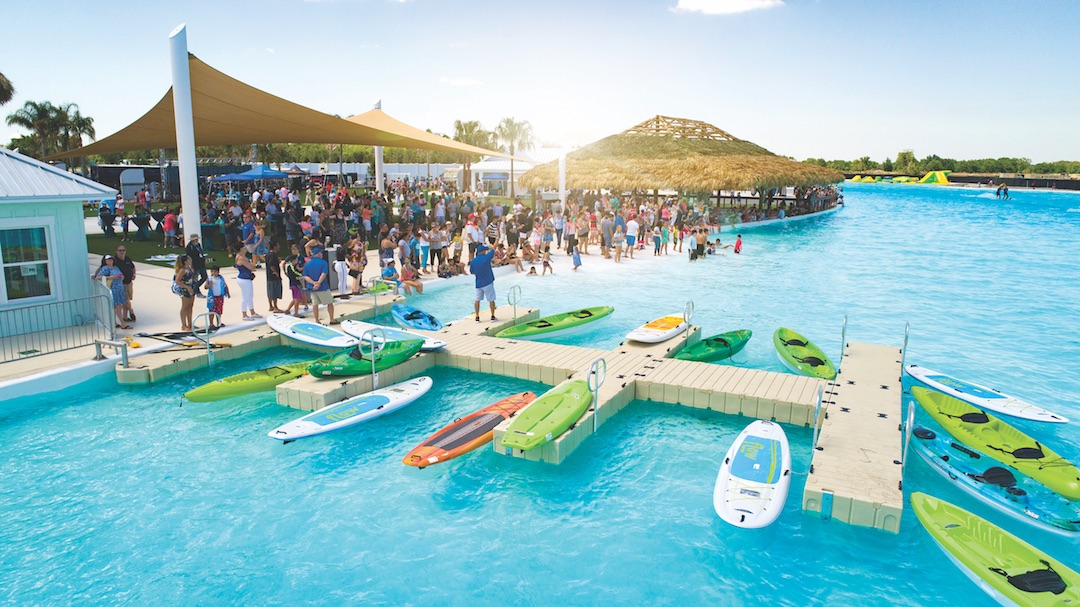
[357, 328]
[353, 410]
[656, 331]
[983, 397]
[310, 332]
[752, 485]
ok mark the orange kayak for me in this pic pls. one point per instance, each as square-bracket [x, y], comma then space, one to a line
[466, 433]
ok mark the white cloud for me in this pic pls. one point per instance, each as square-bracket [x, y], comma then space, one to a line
[270, 50]
[724, 7]
[459, 81]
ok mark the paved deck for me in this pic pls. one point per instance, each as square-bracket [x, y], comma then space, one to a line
[856, 473]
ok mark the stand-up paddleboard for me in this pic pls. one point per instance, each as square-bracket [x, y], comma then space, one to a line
[1004, 566]
[801, 355]
[246, 383]
[547, 417]
[557, 323]
[983, 397]
[353, 410]
[310, 332]
[466, 433]
[987, 434]
[752, 485]
[656, 331]
[357, 328]
[995, 484]
[409, 317]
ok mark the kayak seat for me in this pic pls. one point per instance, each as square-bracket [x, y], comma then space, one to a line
[583, 314]
[794, 342]
[813, 361]
[1039, 580]
[542, 324]
[974, 417]
[1035, 452]
[414, 315]
[997, 476]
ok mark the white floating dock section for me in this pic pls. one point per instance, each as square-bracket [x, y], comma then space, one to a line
[856, 473]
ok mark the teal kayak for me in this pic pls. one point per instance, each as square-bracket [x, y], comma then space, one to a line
[717, 347]
[357, 361]
[556, 322]
[801, 355]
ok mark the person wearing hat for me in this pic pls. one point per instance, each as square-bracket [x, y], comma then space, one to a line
[317, 278]
[194, 251]
[480, 267]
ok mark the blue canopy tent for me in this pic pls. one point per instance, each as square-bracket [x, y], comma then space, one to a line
[254, 174]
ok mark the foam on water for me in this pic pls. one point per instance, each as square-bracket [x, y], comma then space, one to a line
[118, 495]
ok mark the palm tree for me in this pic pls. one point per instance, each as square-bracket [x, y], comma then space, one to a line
[516, 135]
[41, 118]
[73, 126]
[6, 90]
[471, 133]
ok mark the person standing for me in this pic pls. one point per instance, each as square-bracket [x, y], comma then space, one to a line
[194, 252]
[246, 279]
[317, 277]
[738, 243]
[113, 278]
[273, 276]
[184, 286]
[631, 236]
[216, 292]
[480, 267]
[127, 267]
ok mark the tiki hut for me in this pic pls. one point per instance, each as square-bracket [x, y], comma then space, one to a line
[679, 154]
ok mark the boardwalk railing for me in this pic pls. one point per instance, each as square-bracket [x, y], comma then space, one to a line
[57, 326]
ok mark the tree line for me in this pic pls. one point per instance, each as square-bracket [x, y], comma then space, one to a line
[907, 164]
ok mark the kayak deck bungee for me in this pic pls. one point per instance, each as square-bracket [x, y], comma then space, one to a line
[994, 437]
[547, 417]
[466, 433]
[801, 355]
[357, 361]
[1004, 566]
[983, 397]
[556, 322]
[260, 380]
[716, 347]
[999, 486]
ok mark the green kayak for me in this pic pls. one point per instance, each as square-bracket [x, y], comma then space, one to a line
[1004, 566]
[548, 416]
[556, 322]
[801, 355]
[717, 347]
[357, 361]
[246, 383]
[988, 434]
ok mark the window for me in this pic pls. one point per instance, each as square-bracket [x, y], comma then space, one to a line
[24, 256]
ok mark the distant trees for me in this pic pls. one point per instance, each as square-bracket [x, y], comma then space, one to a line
[907, 164]
[52, 128]
[470, 132]
[517, 135]
[6, 90]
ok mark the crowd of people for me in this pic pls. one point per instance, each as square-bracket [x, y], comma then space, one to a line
[417, 231]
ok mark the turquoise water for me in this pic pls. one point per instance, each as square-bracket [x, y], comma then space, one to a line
[117, 495]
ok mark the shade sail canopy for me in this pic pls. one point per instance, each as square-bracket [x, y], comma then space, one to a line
[677, 153]
[229, 112]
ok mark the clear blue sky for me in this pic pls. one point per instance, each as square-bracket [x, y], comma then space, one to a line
[832, 78]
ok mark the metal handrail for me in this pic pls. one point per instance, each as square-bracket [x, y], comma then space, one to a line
[843, 343]
[909, 427]
[375, 281]
[688, 315]
[364, 337]
[44, 328]
[595, 379]
[817, 416]
[513, 297]
[205, 336]
[120, 344]
[903, 352]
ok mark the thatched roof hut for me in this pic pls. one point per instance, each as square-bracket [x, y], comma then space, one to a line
[680, 154]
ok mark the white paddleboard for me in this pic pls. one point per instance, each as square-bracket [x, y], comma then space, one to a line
[353, 410]
[656, 331]
[752, 485]
[310, 332]
[357, 328]
[983, 397]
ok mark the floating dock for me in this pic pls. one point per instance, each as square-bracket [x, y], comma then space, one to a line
[853, 476]
[856, 473]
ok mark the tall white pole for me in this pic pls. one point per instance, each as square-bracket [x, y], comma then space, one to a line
[562, 179]
[185, 131]
[380, 185]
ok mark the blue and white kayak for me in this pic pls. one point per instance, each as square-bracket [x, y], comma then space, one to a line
[983, 397]
[353, 410]
[357, 328]
[409, 317]
[310, 332]
[1002, 487]
[753, 482]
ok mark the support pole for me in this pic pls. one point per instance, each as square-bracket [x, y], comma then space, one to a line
[185, 132]
[380, 184]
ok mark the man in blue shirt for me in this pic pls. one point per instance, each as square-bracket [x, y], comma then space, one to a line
[480, 266]
[316, 277]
